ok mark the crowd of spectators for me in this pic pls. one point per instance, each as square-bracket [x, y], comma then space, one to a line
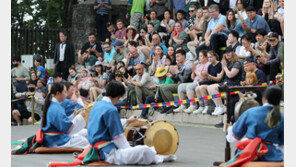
[191, 51]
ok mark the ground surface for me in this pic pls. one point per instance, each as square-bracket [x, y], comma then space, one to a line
[199, 146]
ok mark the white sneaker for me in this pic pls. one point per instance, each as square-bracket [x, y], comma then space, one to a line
[205, 111]
[199, 110]
[180, 108]
[190, 109]
[215, 111]
[221, 109]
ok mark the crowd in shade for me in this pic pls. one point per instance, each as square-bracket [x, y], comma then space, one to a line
[157, 53]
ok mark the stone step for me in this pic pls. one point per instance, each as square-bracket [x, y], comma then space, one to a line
[199, 119]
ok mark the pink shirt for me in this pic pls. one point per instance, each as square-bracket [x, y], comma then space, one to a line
[120, 34]
[201, 68]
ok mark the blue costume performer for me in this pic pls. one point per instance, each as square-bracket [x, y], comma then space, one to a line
[265, 123]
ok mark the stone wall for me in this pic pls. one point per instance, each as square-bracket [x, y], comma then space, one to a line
[83, 21]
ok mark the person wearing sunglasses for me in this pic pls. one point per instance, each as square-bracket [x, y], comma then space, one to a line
[192, 17]
[272, 66]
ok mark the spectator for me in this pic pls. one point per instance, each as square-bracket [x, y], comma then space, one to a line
[92, 48]
[133, 58]
[163, 80]
[131, 35]
[232, 41]
[272, 65]
[109, 54]
[232, 69]
[250, 65]
[254, 22]
[69, 105]
[74, 75]
[166, 26]
[195, 32]
[63, 56]
[119, 54]
[88, 60]
[158, 59]
[119, 76]
[40, 72]
[268, 10]
[20, 113]
[153, 20]
[233, 24]
[261, 47]
[207, 18]
[57, 77]
[198, 74]
[240, 10]
[171, 54]
[33, 78]
[214, 36]
[156, 40]
[143, 38]
[159, 7]
[251, 79]
[40, 85]
[179, 74]
[214, 69]
[20, 75]
[179, 37]
[121, 30]
[137, 12]
[100, 81]
[178, 5]
[111, 32]
[85, 82]
[181, 18]
[279, 15]
[192, 2]
[141, 83]
[245, 50]
[151, 31]
[102, 8]
[192, 18]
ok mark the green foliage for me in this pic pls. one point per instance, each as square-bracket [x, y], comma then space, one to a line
[42, 13]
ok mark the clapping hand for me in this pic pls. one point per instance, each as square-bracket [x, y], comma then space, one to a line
[224, 63]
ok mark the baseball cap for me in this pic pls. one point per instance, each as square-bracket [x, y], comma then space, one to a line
[273, 35]
[228, 49]
[98, 63]
[117, 43]
[250, 60]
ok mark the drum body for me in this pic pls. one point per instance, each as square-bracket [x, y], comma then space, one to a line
[87, 110]
[160, 134]
[242, 106]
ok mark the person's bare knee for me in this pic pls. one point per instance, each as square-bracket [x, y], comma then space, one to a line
[30, 120]
[16, 113]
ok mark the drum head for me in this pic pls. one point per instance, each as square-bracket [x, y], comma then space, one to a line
[243, 106]
[128, 129]
[163, 136]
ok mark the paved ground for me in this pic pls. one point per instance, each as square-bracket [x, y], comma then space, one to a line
[199, 146]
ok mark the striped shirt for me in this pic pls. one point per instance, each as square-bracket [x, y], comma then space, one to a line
[102, 9]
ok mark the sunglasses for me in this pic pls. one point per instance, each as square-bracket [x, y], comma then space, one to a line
[191, 10]
[271, 40]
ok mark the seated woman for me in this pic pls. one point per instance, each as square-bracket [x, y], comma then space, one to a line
[233, 23]
[59, 130]
[158, 59]
[171, 53]
[261, 125]
[212, 77]
[131, 35]
[100, 80]
[166, 27]
[73, 75]
[34, 78]
[179, 37]
[232, 69]
[198, 74]
[240, 10]
[40, 85]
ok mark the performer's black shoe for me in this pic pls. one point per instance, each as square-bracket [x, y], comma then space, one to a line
[164, 110]
[219, 125]
[171, 110]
